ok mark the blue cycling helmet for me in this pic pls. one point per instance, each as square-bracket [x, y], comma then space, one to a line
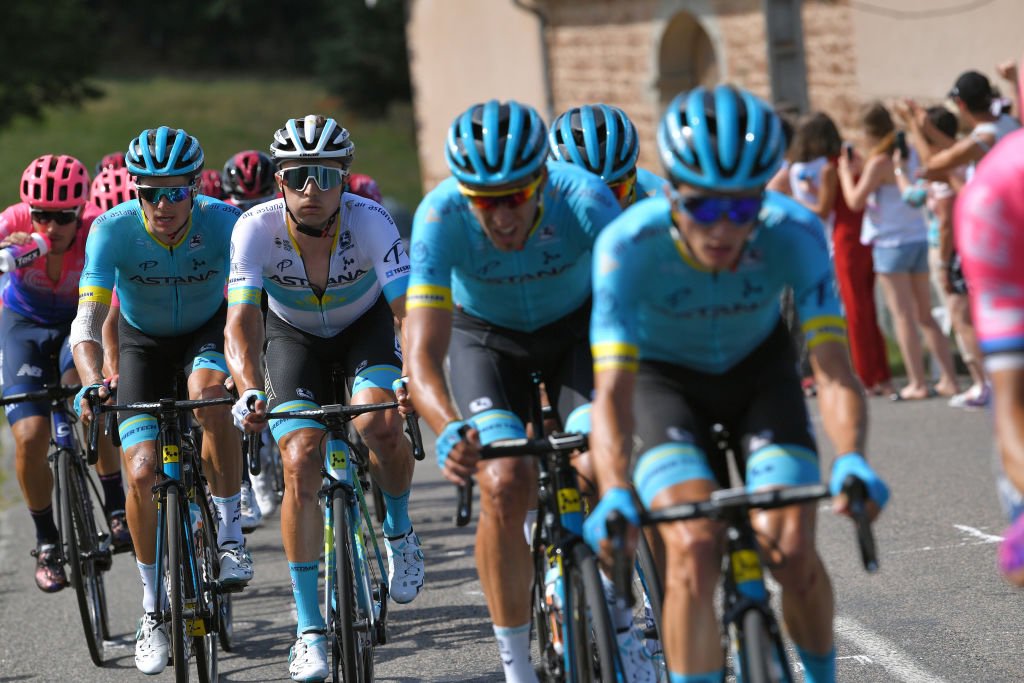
[597, 137]
[164, 151]
[496, 143]
[722, 139]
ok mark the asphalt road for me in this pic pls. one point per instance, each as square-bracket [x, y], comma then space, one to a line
[937, 610]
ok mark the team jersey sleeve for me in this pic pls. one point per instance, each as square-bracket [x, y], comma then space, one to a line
[613, 320]
[10, 220]
[593, 203]
[248, 254]
[101, 252]
[385, 248]
[432, 253]
[812, 278]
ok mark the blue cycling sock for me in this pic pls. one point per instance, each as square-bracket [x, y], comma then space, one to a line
[818, 668]
[113, 493]
[46, 528]
[307, 601]
[396, 521]
[709, 677]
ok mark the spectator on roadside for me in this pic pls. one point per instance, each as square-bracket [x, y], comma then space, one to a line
[899, 239]
[938, 197]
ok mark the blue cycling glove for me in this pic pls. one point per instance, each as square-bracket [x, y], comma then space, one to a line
[855, 464]
[595, 526]
[80, 395]
[447, 439]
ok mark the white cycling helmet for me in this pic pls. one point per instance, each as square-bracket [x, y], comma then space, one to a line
[313, 137]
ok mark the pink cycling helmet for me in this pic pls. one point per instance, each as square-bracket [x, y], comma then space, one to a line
[249, 175]
[364, 186]
[55, 182]
[211, 184]
[111, 187]
[112, 160]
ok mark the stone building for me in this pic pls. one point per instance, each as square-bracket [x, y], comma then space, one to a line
[637, 54]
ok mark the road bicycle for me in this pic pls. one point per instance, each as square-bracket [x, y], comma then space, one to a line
[85, 539]
[751, 636]
[355, 581]
[188, 569]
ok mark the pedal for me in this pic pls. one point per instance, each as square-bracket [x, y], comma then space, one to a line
[235, 587]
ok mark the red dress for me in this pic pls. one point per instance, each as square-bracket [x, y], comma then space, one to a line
[855, 274]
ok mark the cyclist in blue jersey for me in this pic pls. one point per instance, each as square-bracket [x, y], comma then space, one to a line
[39, 303]
[335, 273]
[687, 333]
[168, 253]
[602, 139]
[501, 283]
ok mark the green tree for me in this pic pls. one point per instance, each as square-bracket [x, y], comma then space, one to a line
[364, 59]
[48, 50]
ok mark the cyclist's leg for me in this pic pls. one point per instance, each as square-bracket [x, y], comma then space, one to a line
[490, 385]
[373, 360]
[673, 468]
[25, 366]
[294, 382]
[778, 442]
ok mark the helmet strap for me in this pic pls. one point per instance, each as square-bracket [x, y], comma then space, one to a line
[309, 229]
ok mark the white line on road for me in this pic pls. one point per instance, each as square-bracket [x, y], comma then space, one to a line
[883, 652]
[978, 533]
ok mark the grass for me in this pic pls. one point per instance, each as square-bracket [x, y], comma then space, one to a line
[226, 115]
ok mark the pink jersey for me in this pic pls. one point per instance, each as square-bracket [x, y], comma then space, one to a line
[29, 290]
[989, 220]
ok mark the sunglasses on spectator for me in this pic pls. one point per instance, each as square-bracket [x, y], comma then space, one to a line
[623, 188]
[60, 217]
[486, 200]
[175, 194]
[706, 211]
[325, 177]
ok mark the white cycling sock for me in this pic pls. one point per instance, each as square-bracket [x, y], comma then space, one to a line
[622, 617]
[514, 646]
[148, 573]
[229, 514]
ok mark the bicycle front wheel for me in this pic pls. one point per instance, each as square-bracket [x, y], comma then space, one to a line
[175, 573]
[591, 636]
[759, 652]
[81, 545]
[354, 642]
[209, 616]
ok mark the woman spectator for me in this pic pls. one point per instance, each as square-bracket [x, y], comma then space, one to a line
[898, 237]
[938, 197]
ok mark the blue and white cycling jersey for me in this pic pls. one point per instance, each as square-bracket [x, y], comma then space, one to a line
[164, 290]
[649, 184]
[367, 256]
[454, 262]
[653, 301]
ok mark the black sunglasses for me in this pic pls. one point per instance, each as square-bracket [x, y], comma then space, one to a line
[60, 217]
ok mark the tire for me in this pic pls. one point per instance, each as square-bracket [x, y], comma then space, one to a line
[208, 598]
[551, 661]
[648, 582]
[78, 526]
[757, 647]
[175, 579]
[591, 636]
[352, 658]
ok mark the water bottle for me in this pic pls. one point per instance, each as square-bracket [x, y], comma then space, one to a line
[20, 255]
[553, 594]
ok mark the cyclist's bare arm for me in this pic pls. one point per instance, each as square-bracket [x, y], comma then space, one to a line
[243, 343]
[611, 436]
[840, 397]
[428, 331]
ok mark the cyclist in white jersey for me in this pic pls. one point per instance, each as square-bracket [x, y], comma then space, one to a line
[335, 272]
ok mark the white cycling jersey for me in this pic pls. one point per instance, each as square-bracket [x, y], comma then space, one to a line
[367, 256]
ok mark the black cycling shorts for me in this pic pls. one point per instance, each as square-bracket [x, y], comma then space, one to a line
[298, 364]
[758, 401]
[491, 365]
[148, 366]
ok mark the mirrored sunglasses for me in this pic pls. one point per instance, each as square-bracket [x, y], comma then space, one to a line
[60, 217]
[325, 177]
[486, 200]
[153, 195]
[707, 211]
[623, 188]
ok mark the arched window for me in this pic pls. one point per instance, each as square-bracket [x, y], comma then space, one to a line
[686, 57]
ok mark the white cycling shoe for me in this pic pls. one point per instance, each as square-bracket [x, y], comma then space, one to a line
[151, 647]
[250, 513]
[405, 567]
[636, 660]
[307, 660]
[235, 565]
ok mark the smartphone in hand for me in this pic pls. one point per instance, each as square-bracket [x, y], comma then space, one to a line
[848, 148]
[901, 145]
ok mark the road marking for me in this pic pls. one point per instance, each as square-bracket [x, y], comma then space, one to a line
[979, 534]
[883, 652]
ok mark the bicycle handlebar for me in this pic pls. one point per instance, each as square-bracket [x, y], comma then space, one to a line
[56, 393]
